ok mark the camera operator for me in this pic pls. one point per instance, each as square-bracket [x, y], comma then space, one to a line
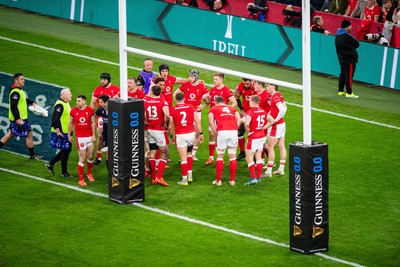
[292, 17]
[258, 9]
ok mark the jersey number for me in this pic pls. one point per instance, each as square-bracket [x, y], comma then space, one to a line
[183, 120]
[260, 121]
[152, 111]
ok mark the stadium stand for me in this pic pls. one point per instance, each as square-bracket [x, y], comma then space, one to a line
[274, 15]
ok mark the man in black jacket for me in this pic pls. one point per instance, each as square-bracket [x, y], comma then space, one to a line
[346, 46]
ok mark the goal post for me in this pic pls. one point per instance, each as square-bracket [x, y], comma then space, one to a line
[308, 160]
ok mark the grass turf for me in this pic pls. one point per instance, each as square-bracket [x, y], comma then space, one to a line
[47, 225]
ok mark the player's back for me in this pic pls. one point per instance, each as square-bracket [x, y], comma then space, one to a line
[154, 112]
[183, 117]
[224, 116]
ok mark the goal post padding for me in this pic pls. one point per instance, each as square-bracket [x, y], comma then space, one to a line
[126, 150]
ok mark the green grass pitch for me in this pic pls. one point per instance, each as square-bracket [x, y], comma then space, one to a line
[44, 224]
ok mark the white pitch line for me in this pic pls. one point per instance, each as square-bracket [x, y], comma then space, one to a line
[134, 68]
[170, 214]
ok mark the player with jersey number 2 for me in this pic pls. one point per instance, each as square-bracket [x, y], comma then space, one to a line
[185, 120]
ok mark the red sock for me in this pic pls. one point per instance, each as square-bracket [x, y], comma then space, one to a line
[152, 164]
[211, 149]
[232, 168]
[219, 166]
[190, 162]
[241, 144]
[158, 154]
[161, 167]
[99, 154]
[89, 165]
[252, 170]
[259, 169]
[81, 170]
[184, 168]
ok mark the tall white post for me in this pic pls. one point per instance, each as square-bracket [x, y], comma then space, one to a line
[306, 72]
[123, 54]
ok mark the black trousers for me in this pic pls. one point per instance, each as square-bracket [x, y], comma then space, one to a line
[347, 71]
[62, 156]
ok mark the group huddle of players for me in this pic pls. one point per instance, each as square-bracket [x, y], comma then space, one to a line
[254, 108]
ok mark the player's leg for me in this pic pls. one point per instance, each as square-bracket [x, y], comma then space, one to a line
[161, 165]
[99, 141]
[182, 151]
[219, 165]
[89, 162]
[232, 148]
[196, 142]
[81, 164]
[211, 147]
[282, 156]
[241, 142]
[272, 141]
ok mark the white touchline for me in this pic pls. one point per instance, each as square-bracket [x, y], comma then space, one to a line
[117, 64]
[170, 214]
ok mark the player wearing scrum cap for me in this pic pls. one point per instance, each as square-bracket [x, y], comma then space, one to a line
[194, 92]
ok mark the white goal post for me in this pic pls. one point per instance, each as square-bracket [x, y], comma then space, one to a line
[306, 87]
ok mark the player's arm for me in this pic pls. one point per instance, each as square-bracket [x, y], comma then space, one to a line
[211, 123]
[282, 111]
[247, 124]
[93, 125]
[181, 80]
[238, 119]
[177, 91]
[199, 129]
[233, 101]
[93, 102]
[170, 127]
[166, 116]
[70, 127]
